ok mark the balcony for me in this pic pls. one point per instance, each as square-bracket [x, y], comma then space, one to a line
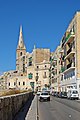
[70, 66]
[62, 69]
[63, 57]
[53, 73]
[69, 51]
[70, 37]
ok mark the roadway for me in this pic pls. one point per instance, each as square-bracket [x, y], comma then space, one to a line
[59, 109]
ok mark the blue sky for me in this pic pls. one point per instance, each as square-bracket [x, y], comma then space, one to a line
[44, 23]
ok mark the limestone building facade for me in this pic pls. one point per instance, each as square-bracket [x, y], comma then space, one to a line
[69, 58]
[33, 66]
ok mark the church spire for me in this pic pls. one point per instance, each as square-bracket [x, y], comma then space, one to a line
[21, 30]
[21, 41]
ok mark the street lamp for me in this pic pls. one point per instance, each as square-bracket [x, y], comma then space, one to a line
[37, 77]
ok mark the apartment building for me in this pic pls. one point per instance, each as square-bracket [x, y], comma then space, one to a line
[70, 44]
[65, 60]
[55, 68]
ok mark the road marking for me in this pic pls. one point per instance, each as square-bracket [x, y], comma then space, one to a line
[70, 116]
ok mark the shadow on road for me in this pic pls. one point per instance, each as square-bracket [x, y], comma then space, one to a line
[23, 111]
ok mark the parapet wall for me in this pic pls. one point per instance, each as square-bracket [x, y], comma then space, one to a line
[10, 105]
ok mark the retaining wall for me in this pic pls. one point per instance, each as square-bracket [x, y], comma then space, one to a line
[10, 105]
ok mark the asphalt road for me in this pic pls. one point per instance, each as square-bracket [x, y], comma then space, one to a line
[59, 109]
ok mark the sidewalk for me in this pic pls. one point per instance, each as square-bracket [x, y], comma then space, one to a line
[32, 113]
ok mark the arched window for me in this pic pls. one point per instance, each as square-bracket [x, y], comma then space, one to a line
[23, 83]
[20, 53]
[9, 83]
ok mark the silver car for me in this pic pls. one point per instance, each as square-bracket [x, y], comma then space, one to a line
[72, 94]
[44, 96]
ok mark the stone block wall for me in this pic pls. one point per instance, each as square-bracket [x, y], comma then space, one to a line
[41, 55]
[10, 105]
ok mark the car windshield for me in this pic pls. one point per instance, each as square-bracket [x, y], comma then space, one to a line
[65, 93]
[75, 92]
[44, 93]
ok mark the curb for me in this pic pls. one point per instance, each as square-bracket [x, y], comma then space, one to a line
[33, 110]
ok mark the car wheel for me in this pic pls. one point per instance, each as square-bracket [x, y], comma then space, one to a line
[48, 99]
[77, 98]
[67, 97]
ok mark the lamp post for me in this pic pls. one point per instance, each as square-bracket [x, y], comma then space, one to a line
[37, 77]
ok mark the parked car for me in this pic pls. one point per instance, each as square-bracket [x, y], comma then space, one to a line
[44, 96]
[72, 94]
[38, 93]
[63, 94]
[57, 94]
[53, 93]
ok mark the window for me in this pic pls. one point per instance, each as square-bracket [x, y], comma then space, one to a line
[73, 29]
[23, 83]
[20, 53]
[14, 83]
[9, 83]
[21, 74]
[15, 71]
[36, 73]
[45, 66]
[44, 93]
[23, 67]
[45, 73]
[71, 86]
[37, 76]
[61, 77]
[75, 92]
[19, 83]
[30, 61]
[30, 75]
[37, 67]
[23, 58]
[32, 84]
[71, 75]
[44, 76]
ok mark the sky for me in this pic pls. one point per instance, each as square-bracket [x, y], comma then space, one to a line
[44, 23]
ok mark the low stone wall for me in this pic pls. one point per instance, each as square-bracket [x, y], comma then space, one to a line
[10, 105]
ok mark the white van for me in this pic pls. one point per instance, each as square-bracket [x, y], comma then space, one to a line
[72, 94]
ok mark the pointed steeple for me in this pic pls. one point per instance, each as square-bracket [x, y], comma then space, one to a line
[21, 41]
[34, 46]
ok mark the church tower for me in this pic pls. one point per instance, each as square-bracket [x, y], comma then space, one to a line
[21, 54]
